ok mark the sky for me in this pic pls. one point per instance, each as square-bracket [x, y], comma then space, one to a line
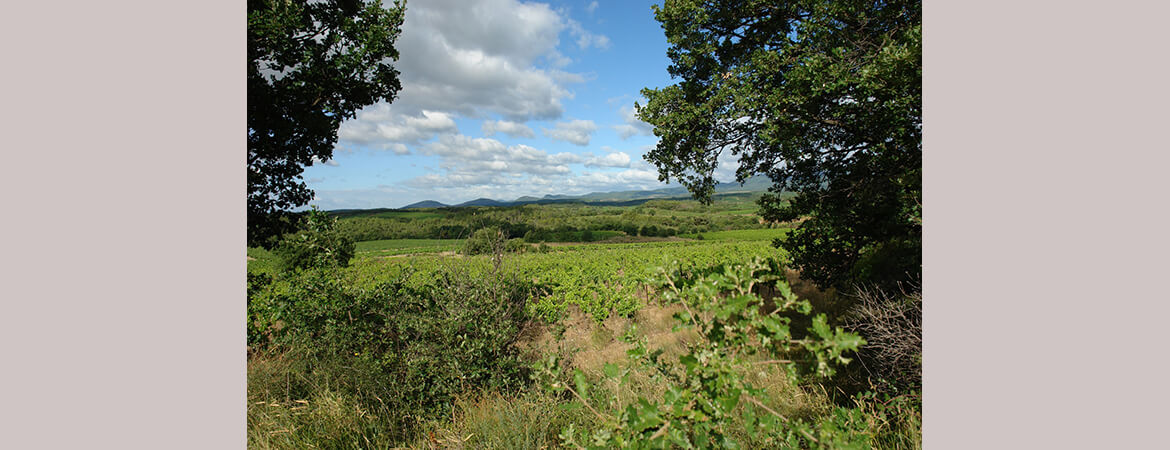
[502, 99]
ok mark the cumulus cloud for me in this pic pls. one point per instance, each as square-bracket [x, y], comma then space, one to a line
[575, 131]
[513, 129]
[615, 159]
[378, 127]
[632, 126]
[584, 38]
[330, 162]
[476, 158]
[460, 59]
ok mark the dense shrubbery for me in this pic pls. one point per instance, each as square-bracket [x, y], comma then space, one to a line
[396, 349]
[316, 244]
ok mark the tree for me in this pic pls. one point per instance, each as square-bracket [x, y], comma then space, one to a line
[822, 96]
[311, 65]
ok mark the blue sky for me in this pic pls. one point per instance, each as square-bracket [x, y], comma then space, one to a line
[503, 98]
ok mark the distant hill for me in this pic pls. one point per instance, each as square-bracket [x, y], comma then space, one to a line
[757, 183]
[425, 204]
[485, 202]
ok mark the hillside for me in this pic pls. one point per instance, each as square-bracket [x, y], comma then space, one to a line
[757, 183]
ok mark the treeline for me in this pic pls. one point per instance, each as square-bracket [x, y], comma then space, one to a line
[546, 223]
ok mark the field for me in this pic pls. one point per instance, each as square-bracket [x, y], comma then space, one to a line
[386, 247]
[422, 343]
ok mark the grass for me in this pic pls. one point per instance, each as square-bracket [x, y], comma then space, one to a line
[762, 234]
[261, 261]
[533, 419]
[407, 246]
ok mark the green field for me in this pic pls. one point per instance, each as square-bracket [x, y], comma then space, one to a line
[762, 234]
[386, 247]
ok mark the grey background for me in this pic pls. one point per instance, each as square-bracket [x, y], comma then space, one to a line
[123, 269]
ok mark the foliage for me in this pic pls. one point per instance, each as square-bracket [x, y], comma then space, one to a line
[406, 246]
[553, 223]
[485, 241]
[822, 96]
[317, 244]
[399, 348]
[707, 391]
[311, 65]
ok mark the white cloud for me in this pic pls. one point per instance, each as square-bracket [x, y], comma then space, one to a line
[591, 8]
[575, 131]
[377, 126]
[513, 129]
[615, 159]
[632, 126]
[461, 59]
[584, 38]
[480, 158]
[330, 162]
[725, 166]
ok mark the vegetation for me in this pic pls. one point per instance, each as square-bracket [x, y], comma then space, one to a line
[557, 222]
[825, 98]
[696, 323]
[388, 247]
[431, 350]
[311, 65]
[398, 350]
[317, 244]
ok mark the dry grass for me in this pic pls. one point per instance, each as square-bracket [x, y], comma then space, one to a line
[533, 419]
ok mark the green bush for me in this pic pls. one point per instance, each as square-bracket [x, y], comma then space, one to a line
[484, 241]
[516, 246]
[402, 349]
[316, 244]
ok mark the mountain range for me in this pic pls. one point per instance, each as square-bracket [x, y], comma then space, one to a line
[757, 183]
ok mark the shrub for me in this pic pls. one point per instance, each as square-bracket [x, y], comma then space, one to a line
[516, 246]
[401, 349]
[484, 241]
[316, 244]
[892, 326]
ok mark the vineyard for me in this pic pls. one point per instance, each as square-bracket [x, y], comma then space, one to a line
[600, 279]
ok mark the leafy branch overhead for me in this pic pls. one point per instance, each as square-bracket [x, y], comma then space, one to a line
[311, 65]
[825, 98]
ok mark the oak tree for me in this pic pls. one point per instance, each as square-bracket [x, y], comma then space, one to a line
[311, 65]
[822, 96]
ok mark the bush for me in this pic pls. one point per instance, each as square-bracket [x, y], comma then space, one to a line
[398, 349]
[316, 244]
[516, 246]
[892, 326]
[484, 241]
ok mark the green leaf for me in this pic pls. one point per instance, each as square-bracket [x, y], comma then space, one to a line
[611, 370]
[579, 380]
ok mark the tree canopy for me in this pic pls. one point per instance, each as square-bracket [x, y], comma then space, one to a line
[822, 96]
[311, 65]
